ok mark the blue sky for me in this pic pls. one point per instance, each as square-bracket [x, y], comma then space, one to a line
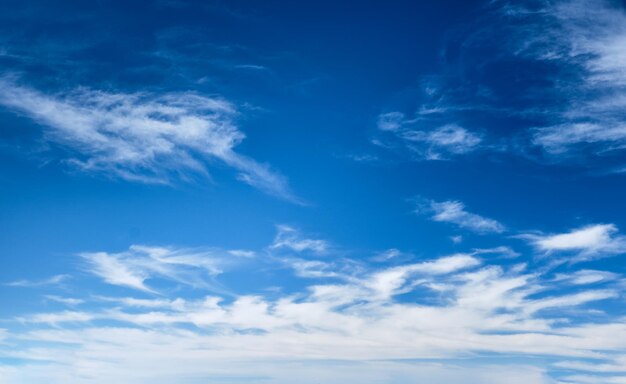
[312, 192]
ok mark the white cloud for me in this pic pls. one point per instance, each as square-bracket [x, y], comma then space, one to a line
[611, 365]
[458, 306]
[562, 98]
[438, 143]
[54, 280]
[142, 137]
[560, 139]
[241, 253]
[131, 302]
[458, 239]
[158, 368]
[446, 264]
[454, 212]
[590, 379]
[586, 242]
[134, 267]
[585, 38]
[60, 317]
[115, 271]
[289, 238]
[390, 121]
[502, 251]
[393, 281]
[454, 139]
[314, 268]
[64, 300]
[389, 254]
[587, 276]
[571, 300]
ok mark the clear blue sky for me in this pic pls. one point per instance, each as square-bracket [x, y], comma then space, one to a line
[312, 192]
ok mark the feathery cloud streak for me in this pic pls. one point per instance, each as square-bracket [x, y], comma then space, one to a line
[540, 78]
[143, 137]
[436, 143]
[587, 242]
[134, 267]
[454, 212]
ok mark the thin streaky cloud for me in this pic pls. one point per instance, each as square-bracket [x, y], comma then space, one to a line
[290, 238]
[454, 212]
[563, 98]
[54, 280]
[438, 143]
[64, 300]
[588, 242]
[139, 264]
[587, 276]
[142, 137]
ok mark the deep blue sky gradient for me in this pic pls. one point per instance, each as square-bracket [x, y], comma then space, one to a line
[309, 81]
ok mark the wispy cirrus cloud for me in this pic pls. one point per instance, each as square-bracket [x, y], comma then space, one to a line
[143, 137]
[563, 138]
[54, 280]
[291, 239]
[64, 300]
[587, 37]
[587, 276]
[592, 241]
[381, 284]
[542, 79]
[133, 268]
[616, 364]
[454, 212]
[436, 143]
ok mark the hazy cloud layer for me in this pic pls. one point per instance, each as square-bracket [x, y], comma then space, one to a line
[366, 318]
